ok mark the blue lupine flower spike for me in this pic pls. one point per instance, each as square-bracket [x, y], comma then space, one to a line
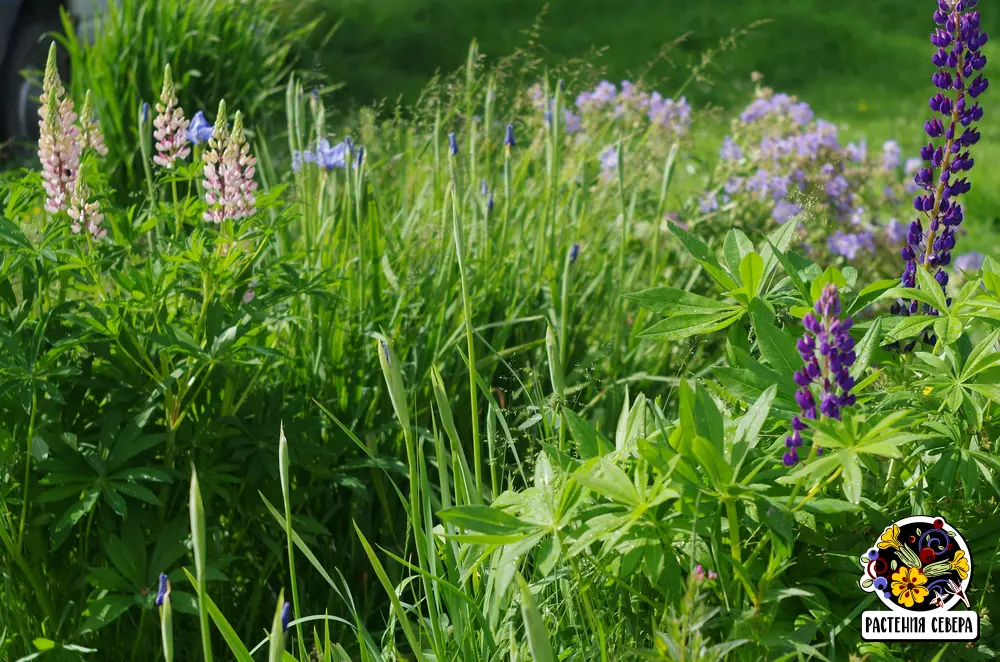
[827, 351]
[452, 144]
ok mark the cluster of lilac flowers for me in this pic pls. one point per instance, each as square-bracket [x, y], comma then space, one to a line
[666, 117]
[959, 60]
[827, 351]
[781, 161]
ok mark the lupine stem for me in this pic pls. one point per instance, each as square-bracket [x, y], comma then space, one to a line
[27, 469]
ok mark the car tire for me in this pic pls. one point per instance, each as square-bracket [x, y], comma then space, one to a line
[27, 53]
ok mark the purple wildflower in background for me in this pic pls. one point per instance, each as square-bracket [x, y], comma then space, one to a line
[452, 144]
[199, 131]
[892, 155]
[784, 211]
[958, 59]
[733, 185]
[574, 252]
[286, 616]
[837, 186]
[895, 231]
[827, 351]
[970, 262]
[145, 112]
[163, 590]
[759, 182]
[857, 153]
[849, 244]
[730, 150]
[572, 123]
[508, 139]
[709, 202]
[609, 162]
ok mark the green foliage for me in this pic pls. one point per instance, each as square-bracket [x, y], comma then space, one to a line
[486, 446]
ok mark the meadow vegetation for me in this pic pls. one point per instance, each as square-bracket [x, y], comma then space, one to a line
[533, 366]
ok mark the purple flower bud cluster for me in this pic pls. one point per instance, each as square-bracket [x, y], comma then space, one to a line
[959, 79]
[827, 351]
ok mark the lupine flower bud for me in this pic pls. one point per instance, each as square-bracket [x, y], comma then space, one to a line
[452, 144]
[827, 351]
[509, 137]
[90, 128]
[957, 59]
[244, 168]
[59, 139]
[163, 591]
[170, 127]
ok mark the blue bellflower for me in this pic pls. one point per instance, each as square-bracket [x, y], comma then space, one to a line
[199, 131]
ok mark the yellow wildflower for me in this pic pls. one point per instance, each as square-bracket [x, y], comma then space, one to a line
[908, 586]
[960, 564]
[890, 538]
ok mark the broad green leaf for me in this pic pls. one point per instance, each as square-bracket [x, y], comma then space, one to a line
[949, 329]
[752, 274]
[908, 327]
[534, 626]
[683, 326]
[668, 301]
[773, 248]
[870, 294]
[484, 519]
[607, 479]
[589, 441]
[852, 477]
[927, 283]
[831, 275]
[736, 246]
[866, 348]
[776, 347]
[700, 252]
[104, 611]
[790, 269]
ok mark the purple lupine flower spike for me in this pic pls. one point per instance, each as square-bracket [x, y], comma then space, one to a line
[163, 590]
[574, 252]
[960, 83]
[827, 351]
[452, 144]
[286, 616]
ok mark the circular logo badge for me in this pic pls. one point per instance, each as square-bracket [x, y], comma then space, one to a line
[918, 564]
